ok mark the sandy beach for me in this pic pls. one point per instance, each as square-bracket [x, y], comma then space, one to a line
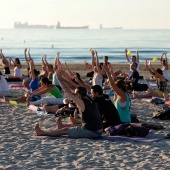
[19, 150]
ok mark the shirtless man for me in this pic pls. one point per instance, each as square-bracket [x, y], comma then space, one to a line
[5, 64]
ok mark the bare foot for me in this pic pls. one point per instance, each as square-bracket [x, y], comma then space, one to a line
[46, 108]
[75, 114]
[38, 131]
[59, 124]
[5, 99]
[73, 120]
[134, 95]
[28, 101]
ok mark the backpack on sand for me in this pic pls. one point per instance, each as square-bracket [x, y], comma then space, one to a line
[157, 100]
[127, 129]
[162, 114]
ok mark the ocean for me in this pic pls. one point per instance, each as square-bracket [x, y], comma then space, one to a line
[74, 44]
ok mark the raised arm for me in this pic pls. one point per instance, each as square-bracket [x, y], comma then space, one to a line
[156, 73]
[161, 57]
[1, 52]
[137, 56]
[29, 54]
[88, 66]
[32, 70]
[30, 58]
[57, 62]
[43, 63]
[2, 55]
[71, 73]
[11, 62]
[127, 58]
[112, 82]
[25, 55]
[166, 61]
[81, 83]
[47, 65]
[112, 72]
[147, 67]
[65, 87]
[93, 62]
[98, 66]
[57, 59]
[4, 60]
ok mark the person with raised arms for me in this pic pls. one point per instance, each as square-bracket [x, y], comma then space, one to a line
[97, 77]
[91, 126]
[5, 64]
[164, 63]
[135, 59]
[121, 97]
[161, 84]
[16, 64]
[28, 59]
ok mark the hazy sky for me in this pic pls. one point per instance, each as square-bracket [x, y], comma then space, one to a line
[111, 13]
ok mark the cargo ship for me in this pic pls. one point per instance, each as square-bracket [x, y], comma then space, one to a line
[62, 27]
[18, 25]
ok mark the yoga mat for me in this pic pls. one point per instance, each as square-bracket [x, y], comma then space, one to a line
[15, 86]
[110, 138]
[154, 84]
[14, 103]
[127, 139]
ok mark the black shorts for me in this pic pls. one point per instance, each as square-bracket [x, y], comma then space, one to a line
[6, 70]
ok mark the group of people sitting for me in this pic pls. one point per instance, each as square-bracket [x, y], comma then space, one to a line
[96, 110]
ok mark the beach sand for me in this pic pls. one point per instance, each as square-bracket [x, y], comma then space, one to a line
[19, 150]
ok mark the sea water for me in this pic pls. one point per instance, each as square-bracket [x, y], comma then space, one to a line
[74, 44]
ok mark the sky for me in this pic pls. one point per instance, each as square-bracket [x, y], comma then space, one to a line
[129, 14]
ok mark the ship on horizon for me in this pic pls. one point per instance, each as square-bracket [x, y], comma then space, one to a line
[26, 25]
[18, 25]
[62, 27]
[101, 27]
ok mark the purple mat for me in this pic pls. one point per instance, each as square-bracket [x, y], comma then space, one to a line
[126, 139]
[110, 138]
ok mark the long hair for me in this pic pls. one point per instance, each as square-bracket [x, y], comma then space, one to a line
[36, 72]
[45, 80]
[18, 61]
[159, 71]
[121, 84]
